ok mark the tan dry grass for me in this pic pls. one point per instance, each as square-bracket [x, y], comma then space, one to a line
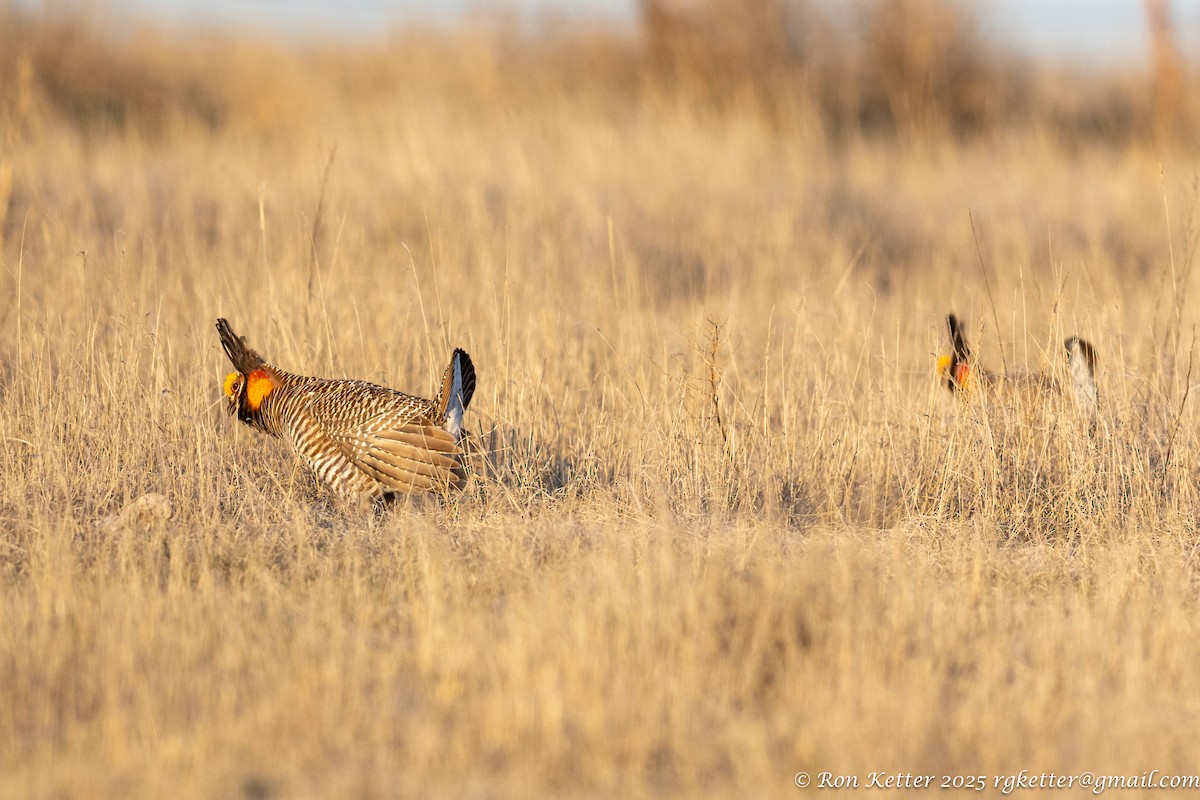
[843, 572]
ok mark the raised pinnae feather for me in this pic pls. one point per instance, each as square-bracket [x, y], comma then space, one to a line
[958, 341]
[960, 355]
[963, 372]
[242, 357]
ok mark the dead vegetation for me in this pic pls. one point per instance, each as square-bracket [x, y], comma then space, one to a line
[730, 528]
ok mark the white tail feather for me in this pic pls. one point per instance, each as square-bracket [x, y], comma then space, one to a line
[454, 403]
[1082, 363]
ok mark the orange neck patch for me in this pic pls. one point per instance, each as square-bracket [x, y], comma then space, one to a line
[962, 375]
[259, 384]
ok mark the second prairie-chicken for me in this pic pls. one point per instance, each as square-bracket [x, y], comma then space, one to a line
[964, 375]
[362, 439]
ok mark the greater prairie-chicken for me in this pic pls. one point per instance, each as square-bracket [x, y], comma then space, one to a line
[963, 375]
[362, 439]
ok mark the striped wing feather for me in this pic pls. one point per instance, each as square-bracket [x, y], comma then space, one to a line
[412, 457]
[331, 462]
[388, 435]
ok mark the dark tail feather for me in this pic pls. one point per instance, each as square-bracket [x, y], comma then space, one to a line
[458, 387]
[244, 359]
[957, 340]
[959, 352]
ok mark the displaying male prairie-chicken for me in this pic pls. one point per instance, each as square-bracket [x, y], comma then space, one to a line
[363, 440]
[963, 375]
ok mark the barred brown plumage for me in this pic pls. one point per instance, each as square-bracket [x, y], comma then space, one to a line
[362, 439]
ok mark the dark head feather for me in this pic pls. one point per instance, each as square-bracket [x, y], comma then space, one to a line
[244, 359]
[957, 340]
[959, 352]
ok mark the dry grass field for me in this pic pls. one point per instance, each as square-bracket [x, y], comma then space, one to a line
[729, 527]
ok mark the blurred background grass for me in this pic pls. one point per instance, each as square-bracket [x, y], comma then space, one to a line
[733, 528]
